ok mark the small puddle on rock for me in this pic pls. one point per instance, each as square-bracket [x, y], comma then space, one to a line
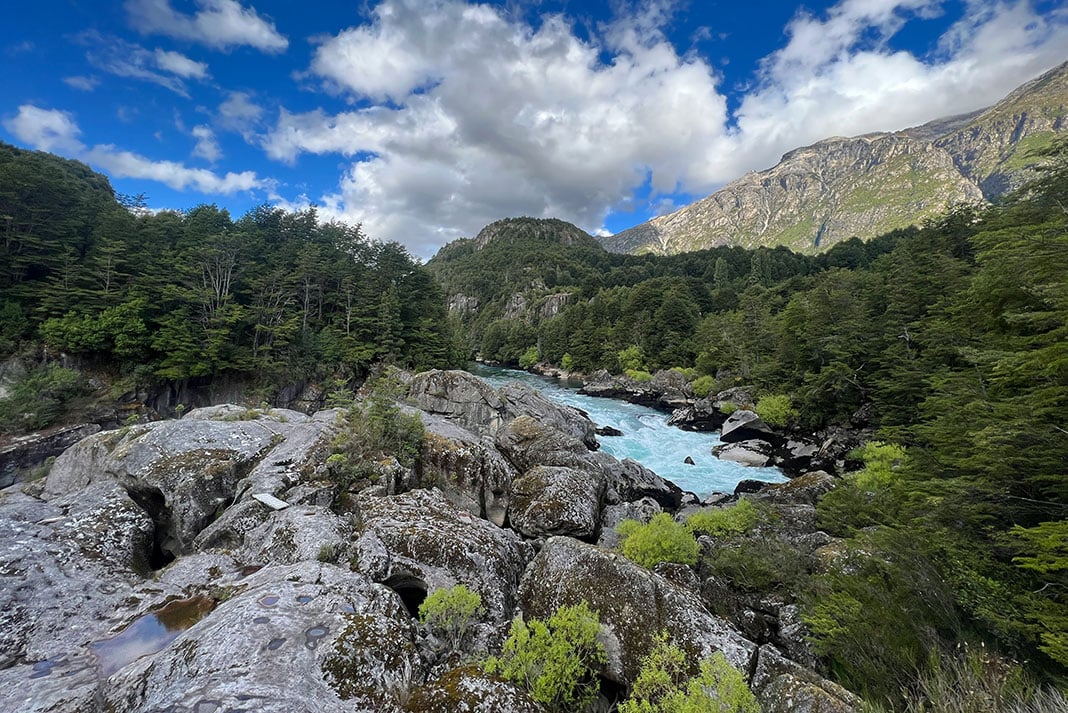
[313, 635]
[304, 599]
[275, 644]
[149, 633]
[269, 600]
[44, 668]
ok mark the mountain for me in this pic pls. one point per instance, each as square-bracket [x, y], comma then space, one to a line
[864, 186]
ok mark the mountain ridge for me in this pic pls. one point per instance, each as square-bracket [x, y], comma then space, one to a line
[841, 187]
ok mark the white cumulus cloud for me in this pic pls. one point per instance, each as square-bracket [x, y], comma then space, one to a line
[178, 64]
[207, 146]
[45, 129]
[55, 130]
[487, 117]
[220, 24]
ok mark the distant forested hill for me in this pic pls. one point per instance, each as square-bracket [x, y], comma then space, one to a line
[179, 296]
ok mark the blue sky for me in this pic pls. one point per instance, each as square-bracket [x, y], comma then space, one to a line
[423, 120]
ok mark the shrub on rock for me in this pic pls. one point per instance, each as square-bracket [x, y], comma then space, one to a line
[660, 540]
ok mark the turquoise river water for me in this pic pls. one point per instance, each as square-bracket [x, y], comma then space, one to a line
[647, 438]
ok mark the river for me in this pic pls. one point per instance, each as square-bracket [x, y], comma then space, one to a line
[647, 437]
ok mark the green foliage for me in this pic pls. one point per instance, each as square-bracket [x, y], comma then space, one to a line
[449, 613]
[375, 429]
[776, 410]
[662, 686]
[39, 398]
[703, 386]
[868, 497]
[631, 359]
[555, 661]
[567, 362]
[660, 540]
[879, 611]
[529, 358]
[274, 296]
[638, 375]
[724, 522]
[760, 564]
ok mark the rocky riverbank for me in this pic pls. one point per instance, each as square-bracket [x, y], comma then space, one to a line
[747, 439]
[214, 563]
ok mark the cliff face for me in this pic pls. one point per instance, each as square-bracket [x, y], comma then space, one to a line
[867, 185]
[995, 150]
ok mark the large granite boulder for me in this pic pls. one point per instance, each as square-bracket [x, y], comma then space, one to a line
[629, 481]
[754, 453]
[297, 534]
[744, 425]
[467, 468]
[806, 489]
[668, 389]
[475, 405]
[460, 397]
[418, 542]
[554, 500]
[19, 455]
[521, 400]
[784, 686]
[308, 637]
[67, 568]
[183, 473]
[633, 604]
[527, 443]
[468, 689]
[701, 415]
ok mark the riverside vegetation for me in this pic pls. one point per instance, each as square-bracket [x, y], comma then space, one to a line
[949, 591]
[949, 338]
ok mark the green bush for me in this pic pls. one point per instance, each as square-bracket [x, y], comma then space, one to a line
[555, 661]
[39, 398]
[703, 386]
[722, 522]
[776, 410]
[868, 497]
[631, 359]
[760, 564]
[879, 612]
[638, 375]
[375, 429]
[660, 540]
[727, 408]
[449, 612]
[662, 686]
[529, 358]
[567, 362]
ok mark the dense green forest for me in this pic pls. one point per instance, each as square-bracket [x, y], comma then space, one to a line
[272, 297]
[955, 333]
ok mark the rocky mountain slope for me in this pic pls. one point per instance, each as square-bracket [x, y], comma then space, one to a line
[867, 185]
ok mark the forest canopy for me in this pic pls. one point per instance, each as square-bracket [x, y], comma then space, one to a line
[187, 295]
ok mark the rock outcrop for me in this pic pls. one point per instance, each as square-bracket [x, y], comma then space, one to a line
[210, 563]
[633, 605]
